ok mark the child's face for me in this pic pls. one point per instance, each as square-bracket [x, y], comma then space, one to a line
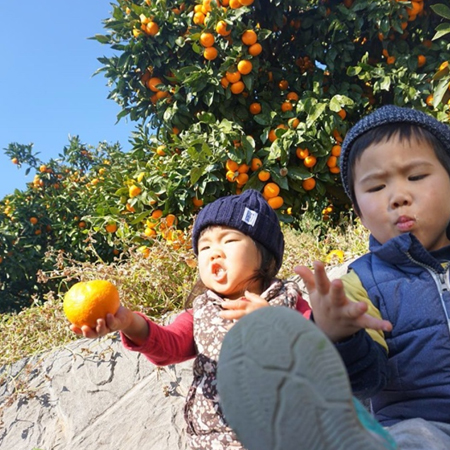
[401, 187]
[227, 259]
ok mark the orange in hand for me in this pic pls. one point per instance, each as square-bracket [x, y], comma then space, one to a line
[87, 301]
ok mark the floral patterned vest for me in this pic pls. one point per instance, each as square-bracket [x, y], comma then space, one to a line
[206, 425]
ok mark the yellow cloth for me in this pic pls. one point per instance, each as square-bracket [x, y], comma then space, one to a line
[355, 291]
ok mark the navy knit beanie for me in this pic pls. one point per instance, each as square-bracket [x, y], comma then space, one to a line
[248, 213]
[388, 115]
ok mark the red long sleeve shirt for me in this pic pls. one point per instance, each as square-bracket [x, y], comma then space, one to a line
[174, 343]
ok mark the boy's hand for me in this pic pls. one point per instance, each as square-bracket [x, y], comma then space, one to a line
[336, 315]
[116, 322]
[236, 309]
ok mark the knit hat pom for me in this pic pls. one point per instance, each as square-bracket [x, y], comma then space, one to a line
[248, 213]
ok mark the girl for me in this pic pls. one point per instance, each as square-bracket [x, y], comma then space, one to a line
[239, 245]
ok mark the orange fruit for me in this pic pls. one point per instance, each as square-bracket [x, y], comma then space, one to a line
[276, 202]
[292, 96]
[337, 136]
[342, 114]
[230, 175]
[87, 301]
[160, 150]
[150, 232]
[232, 165]
[171, 220]
[197, 202]
[332, 161]
[244, 67]
[111, 228]
[33, 220]
[14, 160]
[271, 190]
[263, 175]
[152, 28]
[199, 18]
[272, 136]
[414, 9]
[224, 82]
[153, 82]
[255, 49]
[429, 100]
[336, 150]
[221, 28]
[156, 214]
[309, 184]
[130, 208]
[246, 2]
[286, 106]
[421, 60]
[42, 168]
[234, 4]
[255, 164]
[249, 37]
[255, 108]
[302, 153]
[310, 161]
[210, 53]
[335, 169]
[391, 60]
[233, 77]
[242, 178]
[243, 168]
[283, 85]
[238, 87]
[294, 123]
[134, 191]
[207, 39]
[82, 224]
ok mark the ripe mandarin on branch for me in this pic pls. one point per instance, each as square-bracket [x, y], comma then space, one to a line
[87, 301]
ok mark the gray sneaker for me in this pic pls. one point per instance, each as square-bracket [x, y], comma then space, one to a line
[283, 386]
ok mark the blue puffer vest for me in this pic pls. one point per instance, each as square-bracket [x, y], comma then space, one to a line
[411, 289]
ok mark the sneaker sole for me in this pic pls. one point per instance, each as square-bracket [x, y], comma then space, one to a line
[283, 386]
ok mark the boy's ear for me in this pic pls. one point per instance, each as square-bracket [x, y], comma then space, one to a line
[355, 210]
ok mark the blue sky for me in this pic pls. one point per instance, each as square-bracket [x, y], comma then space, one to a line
[47, 91]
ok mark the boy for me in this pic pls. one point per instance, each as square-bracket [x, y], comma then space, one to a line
[388, 317]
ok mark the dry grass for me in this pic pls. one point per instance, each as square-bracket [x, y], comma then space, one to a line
[156, 285]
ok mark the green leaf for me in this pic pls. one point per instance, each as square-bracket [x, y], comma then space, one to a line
[281, 181]
[442, 30]
[440, 91]
[299, 173]
[441, 10]
[315, 112]
[102, 38]
[196, 174]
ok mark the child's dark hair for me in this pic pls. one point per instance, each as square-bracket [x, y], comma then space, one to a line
[265, 274]
[382, 133]
[381, 125]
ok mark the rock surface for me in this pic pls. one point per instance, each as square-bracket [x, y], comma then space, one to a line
[94, 394]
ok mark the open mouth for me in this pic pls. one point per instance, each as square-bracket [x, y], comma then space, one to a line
[218, 272]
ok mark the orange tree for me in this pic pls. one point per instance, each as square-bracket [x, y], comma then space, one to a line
[233, 94]
[66, 208]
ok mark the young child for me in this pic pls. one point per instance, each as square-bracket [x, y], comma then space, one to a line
[388, 317]
[239, 245]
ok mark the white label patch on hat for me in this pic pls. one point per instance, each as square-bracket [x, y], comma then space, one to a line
[249, 217]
